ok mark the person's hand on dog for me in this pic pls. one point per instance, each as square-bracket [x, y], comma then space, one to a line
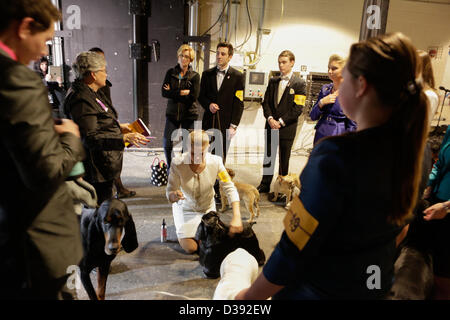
[236, 221]
[435, 212]
[235, 227]
[175, 196]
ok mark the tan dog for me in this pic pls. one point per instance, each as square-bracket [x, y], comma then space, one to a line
[247, 192]
[288, 185]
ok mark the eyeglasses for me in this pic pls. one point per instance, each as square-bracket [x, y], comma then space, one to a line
[184, 56]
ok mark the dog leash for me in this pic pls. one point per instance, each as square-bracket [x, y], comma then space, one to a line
[218, 120]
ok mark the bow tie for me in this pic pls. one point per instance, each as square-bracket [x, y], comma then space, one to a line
[285, 78]
[221, 71]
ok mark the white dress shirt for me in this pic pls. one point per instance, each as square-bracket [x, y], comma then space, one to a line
[198, 188]
[221, 76]
[281, 87]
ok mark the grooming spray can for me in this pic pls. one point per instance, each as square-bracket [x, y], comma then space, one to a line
[164, 231]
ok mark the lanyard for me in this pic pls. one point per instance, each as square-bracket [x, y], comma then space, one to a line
[102, 104]
[8, 50]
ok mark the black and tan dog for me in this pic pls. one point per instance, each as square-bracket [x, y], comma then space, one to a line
[104, 231]
[215, 243]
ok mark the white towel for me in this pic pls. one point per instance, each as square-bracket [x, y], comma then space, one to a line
[238, 271]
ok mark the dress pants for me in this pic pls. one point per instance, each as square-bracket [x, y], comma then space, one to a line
[104, 190]
[171, 126]
[284, 146]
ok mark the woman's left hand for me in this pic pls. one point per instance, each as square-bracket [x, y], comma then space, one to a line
[135, 138]
[435, 212]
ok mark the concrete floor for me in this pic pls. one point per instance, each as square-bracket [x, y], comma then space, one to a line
[162, 271]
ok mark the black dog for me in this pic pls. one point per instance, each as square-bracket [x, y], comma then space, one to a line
[103, 231]
[215, 243]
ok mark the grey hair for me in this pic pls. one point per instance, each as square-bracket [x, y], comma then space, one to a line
[87, 62]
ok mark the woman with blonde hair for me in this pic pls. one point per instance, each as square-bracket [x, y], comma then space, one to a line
[191, 189]
[181, 87]
[358, 189]
[327, 109]
[428, 80]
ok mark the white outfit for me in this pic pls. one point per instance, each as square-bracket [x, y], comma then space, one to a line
[433, 101]
[198, 190]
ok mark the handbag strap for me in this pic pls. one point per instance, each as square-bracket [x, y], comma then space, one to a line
[153, 163]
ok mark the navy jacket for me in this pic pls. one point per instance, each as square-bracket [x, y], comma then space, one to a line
[341, 231]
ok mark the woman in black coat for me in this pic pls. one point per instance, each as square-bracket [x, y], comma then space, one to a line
[102, 135]
[181, 87]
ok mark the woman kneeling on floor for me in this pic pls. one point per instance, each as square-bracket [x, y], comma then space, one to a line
[191, 189]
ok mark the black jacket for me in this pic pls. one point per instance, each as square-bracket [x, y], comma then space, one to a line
[288, 109]
[179, 107]
[39, 231]
[100, 132]
[229, 98]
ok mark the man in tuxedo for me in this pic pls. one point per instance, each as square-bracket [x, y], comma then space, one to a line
[221, 95]
[283, 103]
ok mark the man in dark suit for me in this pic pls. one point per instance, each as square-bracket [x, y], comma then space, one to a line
[283, 103]
[39, 230]
[221, 95]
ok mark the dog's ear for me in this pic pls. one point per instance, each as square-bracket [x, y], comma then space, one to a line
[201, 233]
[129, 241]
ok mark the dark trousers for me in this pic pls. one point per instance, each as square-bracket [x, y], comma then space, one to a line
[171, 126]
[104, 190]
[220, 146]
[284, 146]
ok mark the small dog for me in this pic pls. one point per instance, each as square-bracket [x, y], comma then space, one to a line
[215, 243]
[286, 185]
[104, 231]
[247, 192]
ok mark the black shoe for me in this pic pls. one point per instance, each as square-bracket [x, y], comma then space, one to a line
[262, 188]
[123, 195]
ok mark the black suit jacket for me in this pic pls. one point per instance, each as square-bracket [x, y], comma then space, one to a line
[290, 107]
[229, 98]
[39, 230]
